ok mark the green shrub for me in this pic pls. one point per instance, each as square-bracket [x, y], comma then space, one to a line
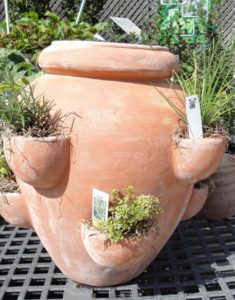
[68, 9]
[130, 215]
[17, 7]
[19, 66]
[31, 34]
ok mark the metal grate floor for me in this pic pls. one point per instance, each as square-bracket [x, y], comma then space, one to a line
[197, 263]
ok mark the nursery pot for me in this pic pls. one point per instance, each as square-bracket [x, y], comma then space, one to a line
[220, 203]
[122, 137]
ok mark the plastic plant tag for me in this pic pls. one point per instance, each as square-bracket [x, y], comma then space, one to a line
[194, 118]
[127, 25]
[100, 206]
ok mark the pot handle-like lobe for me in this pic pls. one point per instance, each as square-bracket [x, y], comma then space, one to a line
[196, 202]
[14, 210]
[196, 159]
[40, 162]
[123, 254]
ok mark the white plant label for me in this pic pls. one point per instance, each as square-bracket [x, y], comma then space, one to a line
[193, 112]
[127, 25]
[100, 205]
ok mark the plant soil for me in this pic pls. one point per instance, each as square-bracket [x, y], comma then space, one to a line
[208, 132]
[8, 184]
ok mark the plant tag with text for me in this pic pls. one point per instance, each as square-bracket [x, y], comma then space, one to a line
[194, 118]
[100, 206]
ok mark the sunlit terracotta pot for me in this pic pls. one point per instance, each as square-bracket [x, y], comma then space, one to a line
[14, 210]
[220, 203]
[123, 254]
[40, 162]
[123, 136]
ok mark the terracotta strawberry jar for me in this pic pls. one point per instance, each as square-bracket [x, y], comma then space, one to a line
[123, 136]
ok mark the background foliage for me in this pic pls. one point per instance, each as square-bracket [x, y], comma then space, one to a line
[67, 9]
[30, 33]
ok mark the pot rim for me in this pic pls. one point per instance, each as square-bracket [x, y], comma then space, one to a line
[46, 139]
[127, 240]
[108, 44]
[212, 139]
[2, 194]
[204, 138]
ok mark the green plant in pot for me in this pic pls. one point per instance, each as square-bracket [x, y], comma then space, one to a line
[130, 215]
[29, 126]
[132, 226]
[21, 113]
[212, 81]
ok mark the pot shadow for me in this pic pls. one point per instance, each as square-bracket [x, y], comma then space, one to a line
[58, 191]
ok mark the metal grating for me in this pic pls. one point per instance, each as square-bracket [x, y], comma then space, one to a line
[198, 263]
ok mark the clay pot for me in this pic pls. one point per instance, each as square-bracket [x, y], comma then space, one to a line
[197, 200]
[123, 254]
[123, 137]
[13, 209]
[220, 203]
[189, 160]
[40, 162]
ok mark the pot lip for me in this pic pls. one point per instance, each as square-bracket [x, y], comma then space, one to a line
[101, 236]
[47, 139]
[107, 44]
[17, 194]
[203, 139]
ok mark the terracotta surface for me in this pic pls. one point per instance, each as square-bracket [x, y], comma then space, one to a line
[122, 254]
[220, 203]
[41, 162]
[197, 159]
[14, 210]
[123, 137]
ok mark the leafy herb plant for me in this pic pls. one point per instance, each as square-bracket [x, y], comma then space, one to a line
[131, 215]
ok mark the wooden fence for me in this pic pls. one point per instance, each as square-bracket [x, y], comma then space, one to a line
[227, 20]
[135, 10]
